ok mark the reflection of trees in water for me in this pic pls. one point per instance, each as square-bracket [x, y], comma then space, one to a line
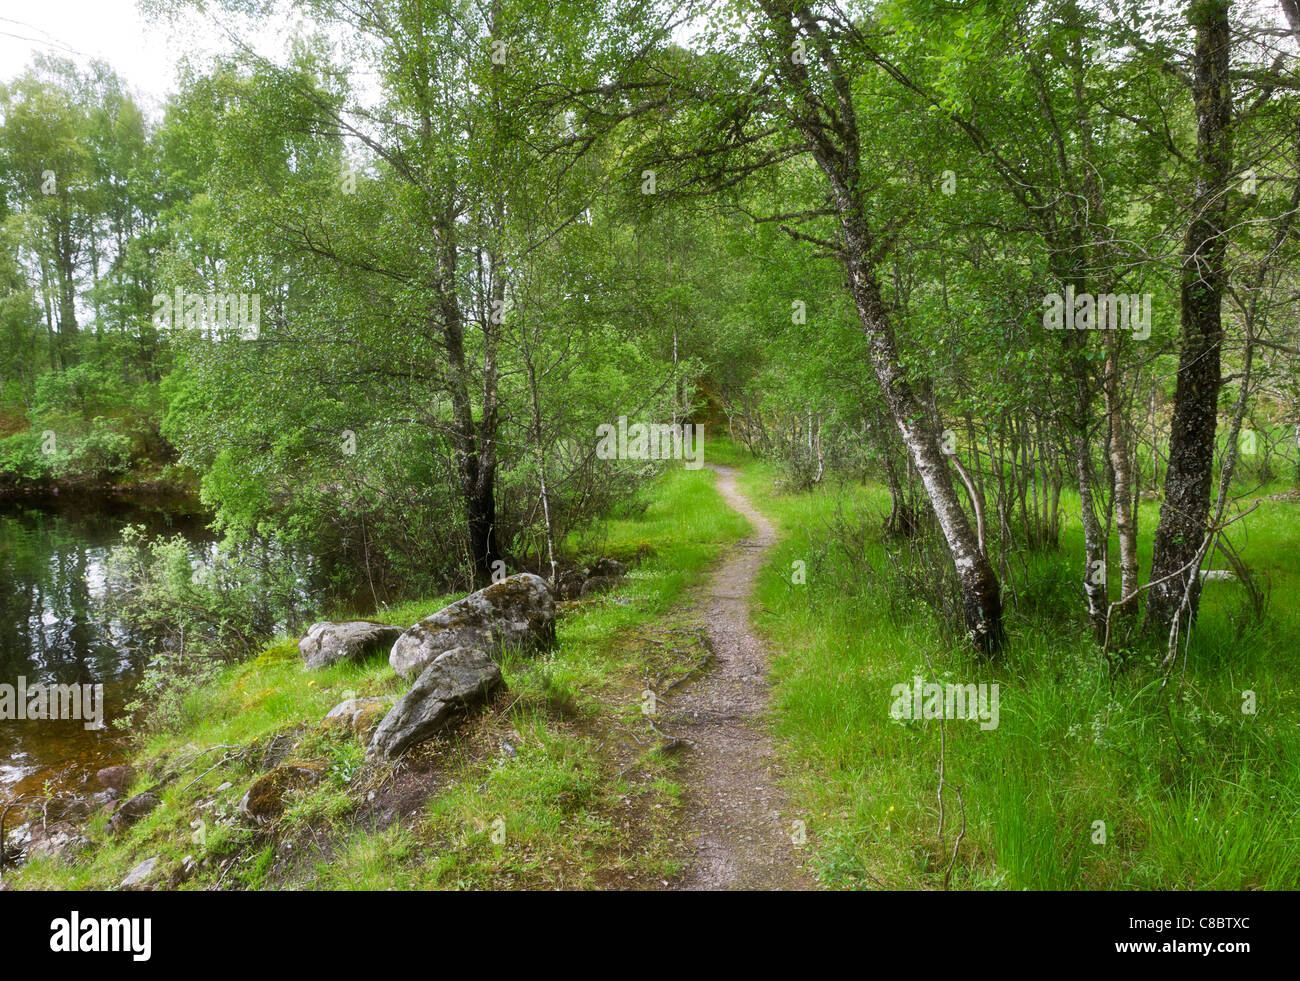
[46, 604]
[51, 582]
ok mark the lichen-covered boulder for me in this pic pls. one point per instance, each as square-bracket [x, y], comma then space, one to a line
[351, 640]
[264, 801]
[455, 680]
[516, 612]
[358, 714]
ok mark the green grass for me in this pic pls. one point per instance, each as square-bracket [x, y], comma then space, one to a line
[1193, 793]
[567, 819]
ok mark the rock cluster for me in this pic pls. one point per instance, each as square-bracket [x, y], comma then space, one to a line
[450, 656]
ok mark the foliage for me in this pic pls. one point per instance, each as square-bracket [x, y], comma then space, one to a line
[196, 614]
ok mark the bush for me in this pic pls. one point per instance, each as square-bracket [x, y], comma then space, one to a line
[21, 460]
[197, 613]
[36, 456]
[101, 454]
[84, 389]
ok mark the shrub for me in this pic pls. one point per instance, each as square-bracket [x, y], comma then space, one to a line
[197, 613]
[21, 460]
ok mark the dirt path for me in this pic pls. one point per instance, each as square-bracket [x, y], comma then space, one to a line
[741, 820]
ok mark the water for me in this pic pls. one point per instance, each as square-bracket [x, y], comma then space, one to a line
[52, 579]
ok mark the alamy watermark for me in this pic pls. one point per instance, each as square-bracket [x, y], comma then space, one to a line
[922, 700]
[655, 441]
[1088, 311]
[19, 703]
[75, 934]
[216, 315]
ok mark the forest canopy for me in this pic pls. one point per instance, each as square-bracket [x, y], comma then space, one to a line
[1009, 259]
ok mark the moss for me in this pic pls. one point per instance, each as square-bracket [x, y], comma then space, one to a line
[265, 800]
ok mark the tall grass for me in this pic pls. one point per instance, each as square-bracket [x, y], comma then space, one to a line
[1089, 781]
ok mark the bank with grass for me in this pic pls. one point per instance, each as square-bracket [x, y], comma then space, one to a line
[556, 783]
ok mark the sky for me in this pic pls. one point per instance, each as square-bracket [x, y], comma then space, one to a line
[142, 50]
[112, 30]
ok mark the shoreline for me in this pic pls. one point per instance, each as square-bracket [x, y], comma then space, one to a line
[181, 498]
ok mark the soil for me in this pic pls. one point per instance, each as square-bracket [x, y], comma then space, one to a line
[744, 834]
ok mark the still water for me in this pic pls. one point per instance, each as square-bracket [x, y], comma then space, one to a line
[52, 632]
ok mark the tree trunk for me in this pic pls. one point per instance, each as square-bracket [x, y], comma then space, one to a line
[1121, 467]
[828, 121]
[1094, 544]
[1188, 476]
[475, 445]
[482, 519]
[980, 589]
[65, 267]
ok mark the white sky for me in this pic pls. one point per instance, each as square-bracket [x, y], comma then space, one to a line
[143, 52]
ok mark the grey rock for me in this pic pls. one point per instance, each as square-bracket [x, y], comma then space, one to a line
[351, 640]
[133, 810]
[456, 679]
[278, 748]
[607, 567]
[597, 585]
[358, 714]
[138, 877]
[58, 841]
[568, 584]
[517, 612]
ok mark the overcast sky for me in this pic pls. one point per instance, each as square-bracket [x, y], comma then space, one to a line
[143, 52]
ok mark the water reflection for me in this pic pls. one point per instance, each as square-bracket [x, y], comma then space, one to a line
[52, 580]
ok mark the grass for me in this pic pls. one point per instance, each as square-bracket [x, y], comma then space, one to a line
[538, 790]
[1085, 783]
[1088, 782]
